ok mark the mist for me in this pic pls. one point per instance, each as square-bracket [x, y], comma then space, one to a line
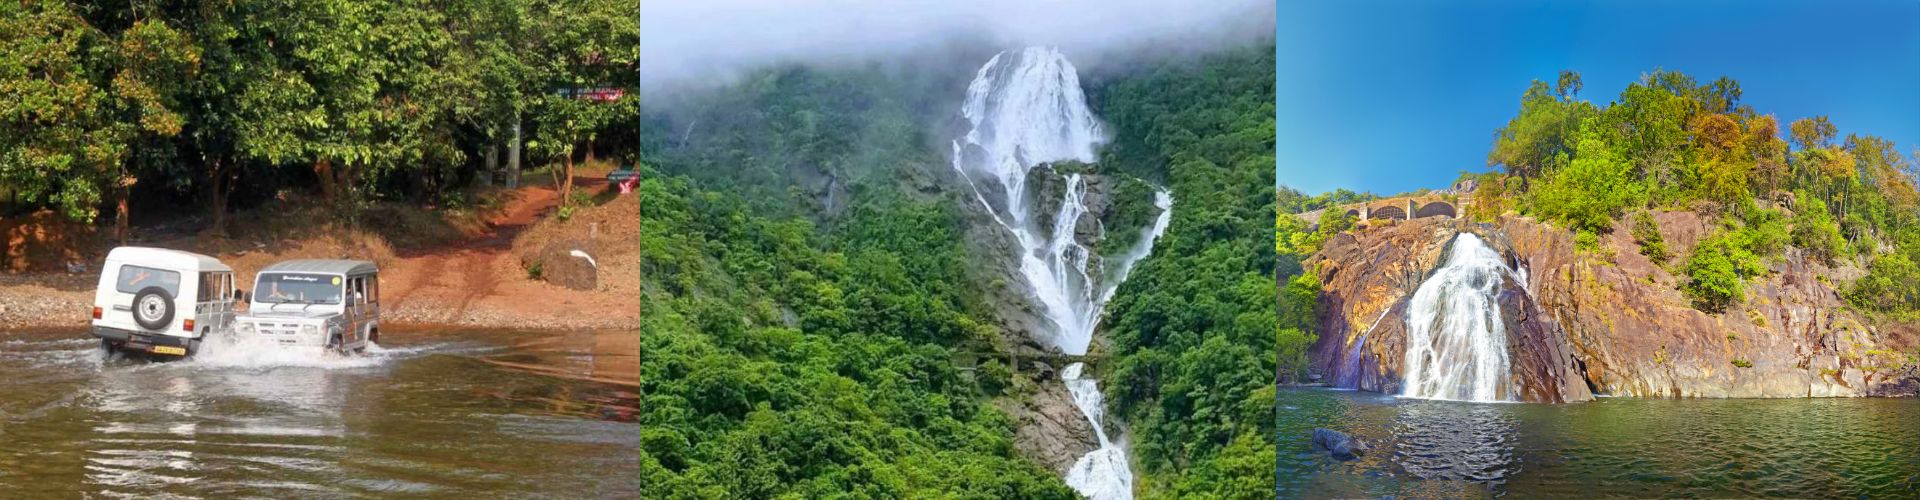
[693, 43]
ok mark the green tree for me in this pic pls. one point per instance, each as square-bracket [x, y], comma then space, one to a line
[1591, 190]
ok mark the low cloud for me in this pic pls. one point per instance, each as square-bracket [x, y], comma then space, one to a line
[693, 42]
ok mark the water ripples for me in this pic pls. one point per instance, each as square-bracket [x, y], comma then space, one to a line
[1616, 447]
[418, 419]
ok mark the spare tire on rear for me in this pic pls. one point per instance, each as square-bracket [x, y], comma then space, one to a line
[153, 308]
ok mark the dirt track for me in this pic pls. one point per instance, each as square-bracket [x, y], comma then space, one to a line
[474, 283]
[480, 283]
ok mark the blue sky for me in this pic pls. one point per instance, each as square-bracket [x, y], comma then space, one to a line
[1395, 96]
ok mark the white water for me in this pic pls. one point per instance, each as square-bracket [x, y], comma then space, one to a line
[1350, 374]
[1026, 109]
[1103, 473]
[1456, 342]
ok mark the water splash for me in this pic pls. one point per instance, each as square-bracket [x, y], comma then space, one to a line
[1456, 341]
[1103, 473]
[236, 351]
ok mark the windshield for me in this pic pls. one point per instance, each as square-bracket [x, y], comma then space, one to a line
[297, 288]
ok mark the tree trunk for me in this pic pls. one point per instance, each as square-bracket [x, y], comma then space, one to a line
[513, 154]
[491, 165]
[217, 201]
[120, 213]
[566, 183]
[323, 169]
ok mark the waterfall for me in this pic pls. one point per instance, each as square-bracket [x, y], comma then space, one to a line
[1102, 474]
[1349, 375]
[1456, 341]
[1026, 109]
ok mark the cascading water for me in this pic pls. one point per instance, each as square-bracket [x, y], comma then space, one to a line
[1456, 341]
[1026, 110]
[1102, 473]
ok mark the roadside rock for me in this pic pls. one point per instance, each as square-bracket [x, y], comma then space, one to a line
[569, 263]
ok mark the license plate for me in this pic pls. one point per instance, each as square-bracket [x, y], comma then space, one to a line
[177, 351]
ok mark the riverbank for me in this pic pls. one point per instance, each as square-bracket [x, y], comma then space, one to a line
[438, 267]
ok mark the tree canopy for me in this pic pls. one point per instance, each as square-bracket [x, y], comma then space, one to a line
[389, 99]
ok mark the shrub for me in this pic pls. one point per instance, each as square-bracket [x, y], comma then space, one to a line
[1647, 232]
[1742, 363]
[1815, 230]
[1714, 275]
[993, 377]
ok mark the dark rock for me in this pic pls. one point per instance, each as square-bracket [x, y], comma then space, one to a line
[569, 264]
[1338, 444]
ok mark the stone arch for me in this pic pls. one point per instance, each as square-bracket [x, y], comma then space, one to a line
[1353, 213]
[1438, 208]
[1388, 212]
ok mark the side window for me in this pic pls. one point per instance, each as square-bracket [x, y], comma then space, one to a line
[215, 286]
[359, 287]
[135, 278]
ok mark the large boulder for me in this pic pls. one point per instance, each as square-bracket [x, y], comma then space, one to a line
[569, 263]
[1338, 444]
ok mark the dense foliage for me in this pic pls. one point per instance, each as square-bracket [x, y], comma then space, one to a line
[1669, 143]
[389, 99]
[793, 348]
[1192, 329]
[808, 290]
[784, 359]
[1299, 296]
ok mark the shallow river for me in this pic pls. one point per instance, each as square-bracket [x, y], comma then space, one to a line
[1614, 447]
[439, 414]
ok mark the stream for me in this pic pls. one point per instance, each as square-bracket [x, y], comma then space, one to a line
[433, 413]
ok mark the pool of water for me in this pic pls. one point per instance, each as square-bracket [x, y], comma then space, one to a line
[440, 414]
[1613, 447]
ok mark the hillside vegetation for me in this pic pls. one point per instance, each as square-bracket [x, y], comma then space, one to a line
[807, 288]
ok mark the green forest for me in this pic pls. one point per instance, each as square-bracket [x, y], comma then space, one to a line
[1670, 142]
[806, 288]
[215, 105]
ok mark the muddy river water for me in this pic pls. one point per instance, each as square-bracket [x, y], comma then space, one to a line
[430, 413]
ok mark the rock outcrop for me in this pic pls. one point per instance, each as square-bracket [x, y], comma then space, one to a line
[1607, 322]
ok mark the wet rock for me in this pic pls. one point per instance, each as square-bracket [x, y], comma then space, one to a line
[1051, 430]
[1338, 444]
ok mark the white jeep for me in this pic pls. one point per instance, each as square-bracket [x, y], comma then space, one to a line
[309, 304]
[161, 301]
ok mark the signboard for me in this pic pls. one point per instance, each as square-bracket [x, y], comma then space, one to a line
[599, 94]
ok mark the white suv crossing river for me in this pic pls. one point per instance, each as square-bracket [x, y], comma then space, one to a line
[161, 301]
[322, 305]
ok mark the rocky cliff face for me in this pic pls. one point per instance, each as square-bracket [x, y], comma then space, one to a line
[1608, 322]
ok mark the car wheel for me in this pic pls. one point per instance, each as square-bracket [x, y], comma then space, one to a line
[111, 350]
[153, 308]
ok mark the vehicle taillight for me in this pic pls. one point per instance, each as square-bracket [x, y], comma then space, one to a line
[96, 312]
[186, 325]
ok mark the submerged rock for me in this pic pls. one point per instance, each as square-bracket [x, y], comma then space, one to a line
[1338, 444]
